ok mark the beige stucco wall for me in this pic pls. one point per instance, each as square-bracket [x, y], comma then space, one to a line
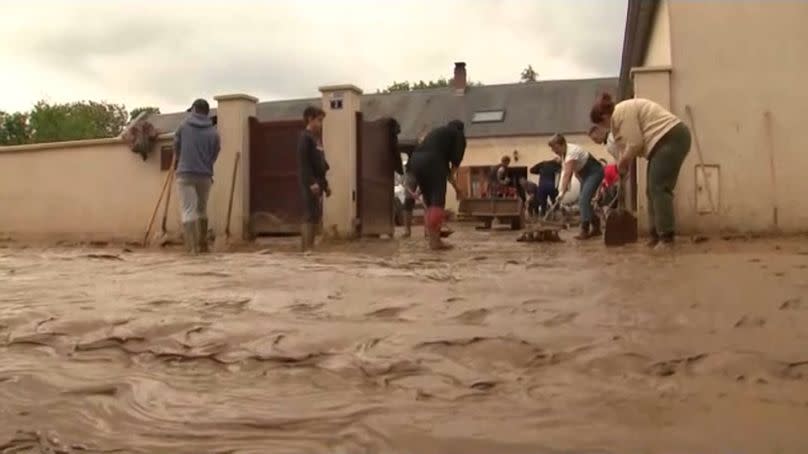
[340, 142]
[84, 190]
[234, 112]
[532, 150]
[732, 77]
[100, 190]
[659, 44]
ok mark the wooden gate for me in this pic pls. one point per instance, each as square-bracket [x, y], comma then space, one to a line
[377, 160]
[276, 205]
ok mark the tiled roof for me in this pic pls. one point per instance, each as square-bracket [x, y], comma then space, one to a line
[534, 108]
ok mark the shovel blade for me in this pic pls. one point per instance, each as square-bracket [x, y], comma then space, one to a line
[621, 228]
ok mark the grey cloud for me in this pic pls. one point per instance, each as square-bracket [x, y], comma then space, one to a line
[269, 76]
[67, 48]
[586, 31]
[169, 53]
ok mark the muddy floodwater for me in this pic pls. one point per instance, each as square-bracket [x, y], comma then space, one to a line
[381, 347]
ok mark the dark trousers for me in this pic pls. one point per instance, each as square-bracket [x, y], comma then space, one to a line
[533, 205]
[545, 192]
[409, 204]
[664, 163]
[312, 207]
[431, 172]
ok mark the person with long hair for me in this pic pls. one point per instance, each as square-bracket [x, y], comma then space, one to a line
[643, 128]
[604, 137]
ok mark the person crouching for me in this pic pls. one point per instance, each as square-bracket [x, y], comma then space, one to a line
[589, 172]
[433, 164]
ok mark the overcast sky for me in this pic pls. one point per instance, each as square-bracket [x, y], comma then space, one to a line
[167, 52]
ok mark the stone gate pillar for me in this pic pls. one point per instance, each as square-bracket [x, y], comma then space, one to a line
[341, 104]
[233, 113]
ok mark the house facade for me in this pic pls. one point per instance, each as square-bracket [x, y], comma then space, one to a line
[734, 72]
[101, 190]
[515, 120]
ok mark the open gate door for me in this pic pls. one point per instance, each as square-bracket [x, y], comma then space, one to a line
[377, 160]
[276, 205]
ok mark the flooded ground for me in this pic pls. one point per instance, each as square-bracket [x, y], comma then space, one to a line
[496, 347]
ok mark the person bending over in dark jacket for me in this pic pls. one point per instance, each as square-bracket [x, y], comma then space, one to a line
[196, 144]
[530, 195]
[312, 172]
[434, 162]
[547, 172]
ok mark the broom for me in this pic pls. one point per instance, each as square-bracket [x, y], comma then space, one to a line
[168, 179]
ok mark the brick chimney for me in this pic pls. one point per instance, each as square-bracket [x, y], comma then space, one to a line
[459, 81]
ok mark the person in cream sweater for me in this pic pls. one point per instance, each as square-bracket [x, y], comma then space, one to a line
[643, 128]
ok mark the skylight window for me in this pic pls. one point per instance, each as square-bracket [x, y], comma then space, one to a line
[488, 116]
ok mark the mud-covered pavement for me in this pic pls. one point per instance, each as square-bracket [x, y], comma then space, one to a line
[495, 347]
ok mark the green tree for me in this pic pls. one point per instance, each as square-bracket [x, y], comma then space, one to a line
[14, 128]
[137, 111]
[440, 83]
[421, 85]
[398, 86]
[76, 121]
[529, 74]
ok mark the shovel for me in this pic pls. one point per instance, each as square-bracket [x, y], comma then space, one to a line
[166, 182]
[222, 244]
[545, 223]
[164, 239]
[621, 224]
[545, 231]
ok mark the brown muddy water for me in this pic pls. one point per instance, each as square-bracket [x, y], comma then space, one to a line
[495, 347]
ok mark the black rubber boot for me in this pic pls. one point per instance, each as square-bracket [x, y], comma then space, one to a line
[653, 239]
[407, 225]
[666, 241]
[584, 235]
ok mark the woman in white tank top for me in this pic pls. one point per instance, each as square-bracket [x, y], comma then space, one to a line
[589, 172]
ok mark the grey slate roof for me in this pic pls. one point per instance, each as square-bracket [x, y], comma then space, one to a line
[536, 108]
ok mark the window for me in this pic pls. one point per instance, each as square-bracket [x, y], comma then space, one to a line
[488, 116]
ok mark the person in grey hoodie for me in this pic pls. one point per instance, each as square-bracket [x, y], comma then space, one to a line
[197, 144]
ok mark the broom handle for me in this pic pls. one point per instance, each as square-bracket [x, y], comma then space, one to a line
[553, 207]
[621, 194]
[164, 226]
[616, 197]
[232, 191]
[157, 205]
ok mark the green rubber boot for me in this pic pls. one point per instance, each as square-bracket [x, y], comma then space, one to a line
[191, 237]
[203, 236]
